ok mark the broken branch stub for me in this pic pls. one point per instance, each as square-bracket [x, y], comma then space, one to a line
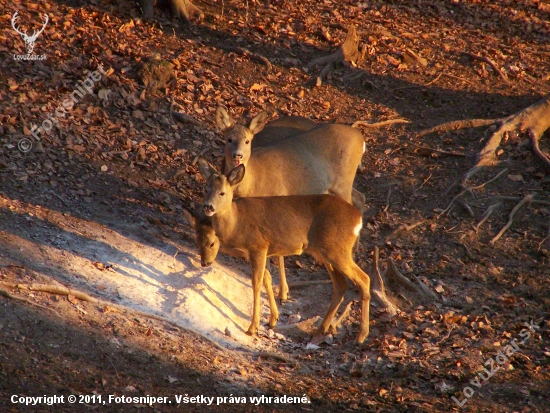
[347, 52]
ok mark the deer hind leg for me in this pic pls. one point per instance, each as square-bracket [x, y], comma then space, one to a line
[283, 286]
[362, 280]
[257, 262]
[272, 303]
[339, 287]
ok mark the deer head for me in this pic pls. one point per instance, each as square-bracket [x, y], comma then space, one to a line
[29, 40]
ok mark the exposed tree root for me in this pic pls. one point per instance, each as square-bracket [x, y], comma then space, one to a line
[544, 240]
[526, 199]
[345, 314]
[458, 124]
[470, 190]
[487, 214]
[378, 124]
[347, 52]
[61, 290]
[535, 118]
[378, 285]
[409, 293]
[24, 300]
[536, 150]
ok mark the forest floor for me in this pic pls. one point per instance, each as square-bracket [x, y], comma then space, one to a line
[95, 207]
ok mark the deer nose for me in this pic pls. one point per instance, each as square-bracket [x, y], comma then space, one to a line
[237, 156]
[209, 209]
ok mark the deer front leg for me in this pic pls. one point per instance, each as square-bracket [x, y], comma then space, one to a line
[283, 286]
[272, 303]
[257, 262]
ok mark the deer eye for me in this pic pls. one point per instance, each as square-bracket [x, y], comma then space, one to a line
[212, 245]
[222, 193]
[247, 142]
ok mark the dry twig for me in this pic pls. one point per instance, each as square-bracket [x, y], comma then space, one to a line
[526, 199]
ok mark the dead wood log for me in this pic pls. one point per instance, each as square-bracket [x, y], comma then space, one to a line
[347, 52]
[535, 119]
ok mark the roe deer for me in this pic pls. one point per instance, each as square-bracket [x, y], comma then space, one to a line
[320, 159]
[209, 244]
[324, 226]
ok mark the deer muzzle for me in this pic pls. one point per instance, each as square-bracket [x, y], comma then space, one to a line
[209, 210]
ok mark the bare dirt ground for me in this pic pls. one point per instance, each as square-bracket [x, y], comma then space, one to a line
[96, 207]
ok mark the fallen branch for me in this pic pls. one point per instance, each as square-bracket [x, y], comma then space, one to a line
[379, 124]
[457, 125]
[490, 62]
[526, 199]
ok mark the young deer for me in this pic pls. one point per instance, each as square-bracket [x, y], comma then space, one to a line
[324, 226]
[321, 159]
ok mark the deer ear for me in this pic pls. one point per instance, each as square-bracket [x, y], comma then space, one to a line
[189, 217]
[236, 175]
[258, 123]
[223, 120]
[206, 169]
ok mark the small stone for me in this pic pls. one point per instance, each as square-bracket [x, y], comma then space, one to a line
[104, 168]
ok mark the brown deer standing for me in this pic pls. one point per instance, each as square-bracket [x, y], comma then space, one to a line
[320, 159]
[324, 226]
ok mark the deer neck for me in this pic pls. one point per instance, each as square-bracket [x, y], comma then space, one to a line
[225, 224]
